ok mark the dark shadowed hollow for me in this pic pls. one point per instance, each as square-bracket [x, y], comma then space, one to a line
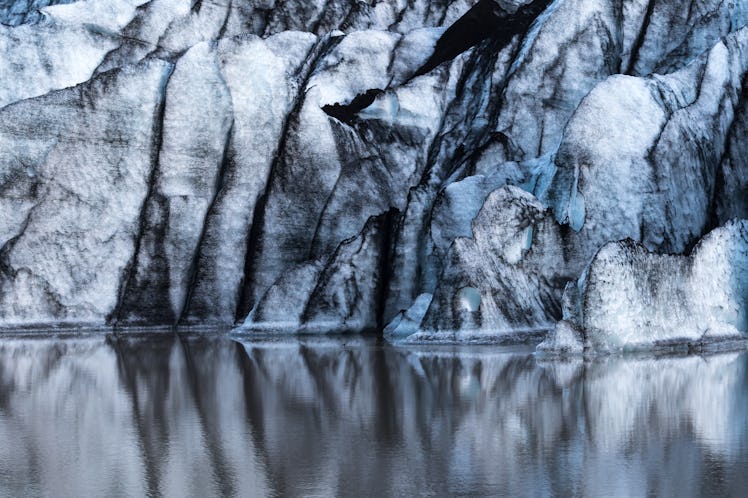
[198, 415]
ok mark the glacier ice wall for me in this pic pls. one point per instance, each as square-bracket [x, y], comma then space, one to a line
[327, 166]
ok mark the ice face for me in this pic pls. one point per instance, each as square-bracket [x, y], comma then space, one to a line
[619, 176]
[325, 165]
[80, 215]
[185, 183]
[259, 75]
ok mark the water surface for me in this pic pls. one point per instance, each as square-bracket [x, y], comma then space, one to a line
[198, 415]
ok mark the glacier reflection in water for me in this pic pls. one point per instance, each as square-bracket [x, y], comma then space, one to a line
[168, 415]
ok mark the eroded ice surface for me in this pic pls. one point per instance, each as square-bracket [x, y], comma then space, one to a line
[327, 166]
[630, 298]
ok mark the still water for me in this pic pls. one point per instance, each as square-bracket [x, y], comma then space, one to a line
[190, 415]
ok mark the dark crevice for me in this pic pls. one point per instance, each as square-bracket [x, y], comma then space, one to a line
[719, 187]
[484, 20]
[669, 111]
[130, 270]
[400, 16]
[473, 71]
[8, 246]
[226, 161]
[146, 298]
[254, 238]
[270, 16]
[381, 226]
[6, 269]
[328, 269]
[224, 24]
[386, 251]
[265, 20]
[128, 34]
[443, 134]
[718, 192]
[318, 22]
[356, 155]
[639, 42]
[443, 15]
[393, 56]
[347, 112]
[345, 23]
[342, 152]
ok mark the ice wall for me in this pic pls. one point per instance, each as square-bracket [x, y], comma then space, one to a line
[326, 166]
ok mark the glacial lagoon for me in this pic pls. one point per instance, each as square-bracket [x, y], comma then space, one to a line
[213, 415]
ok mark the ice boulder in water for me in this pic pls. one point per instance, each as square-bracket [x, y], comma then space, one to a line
[630, 298]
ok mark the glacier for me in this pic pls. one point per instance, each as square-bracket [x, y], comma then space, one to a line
[449, 171]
